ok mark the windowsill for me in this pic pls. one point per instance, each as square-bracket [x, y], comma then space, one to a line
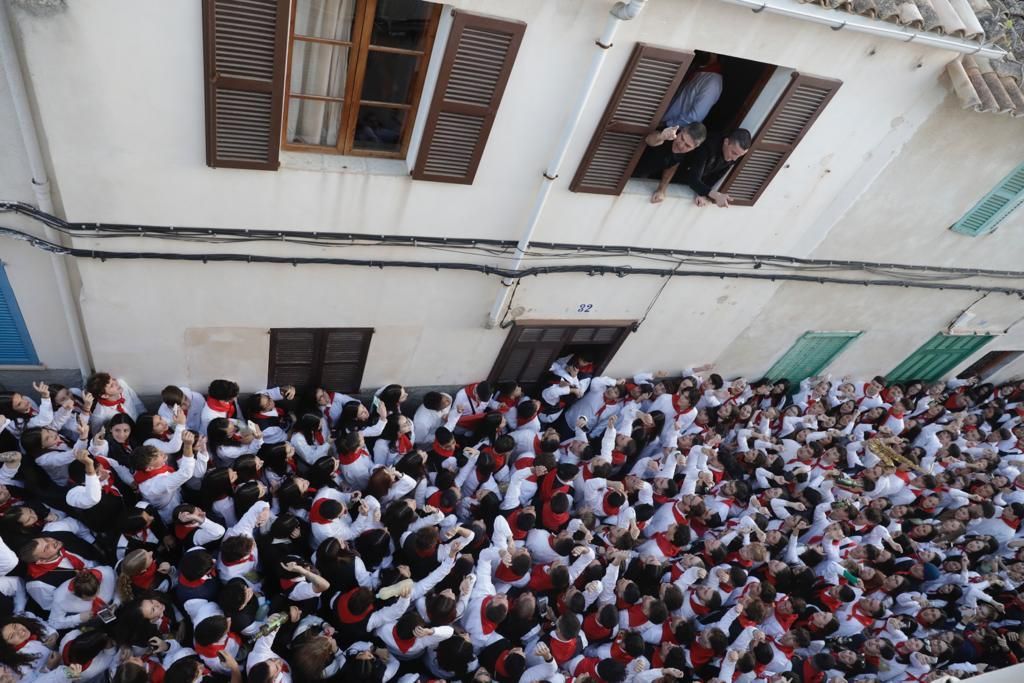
[646, 187]
[337, 163]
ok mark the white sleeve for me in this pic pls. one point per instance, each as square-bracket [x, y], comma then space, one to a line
[8, 559]
[86, 496]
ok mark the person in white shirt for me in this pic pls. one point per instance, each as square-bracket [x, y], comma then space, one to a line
[159, 483]
[112, 396]
[435, 411]
[187, 401]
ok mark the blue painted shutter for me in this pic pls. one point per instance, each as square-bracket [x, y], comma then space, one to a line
[811, 354]
[987, 214]
[15, 344]
[937, 357]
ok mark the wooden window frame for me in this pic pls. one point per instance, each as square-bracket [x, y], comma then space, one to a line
[319, 350]
[359, 49]
[625, 328]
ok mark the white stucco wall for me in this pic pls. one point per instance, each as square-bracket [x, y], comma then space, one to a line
[132, 151]
[28, 269]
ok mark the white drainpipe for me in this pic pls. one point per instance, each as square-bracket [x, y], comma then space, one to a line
[40, 184]
[622, 11]
[844, 20]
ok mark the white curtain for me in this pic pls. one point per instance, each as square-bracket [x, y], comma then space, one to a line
[319, 69]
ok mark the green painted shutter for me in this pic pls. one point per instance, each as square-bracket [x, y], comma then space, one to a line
[987, 214]
[937, 357]
[811, 354]
[15, 344]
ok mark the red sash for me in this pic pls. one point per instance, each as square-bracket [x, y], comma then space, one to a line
[349, 458]
[145, 579]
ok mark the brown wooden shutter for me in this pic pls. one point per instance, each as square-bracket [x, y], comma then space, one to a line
[244, 53]
[344, 358]
[477, 63]
[293, 358]
[651, 79]
[800, 105]
[306, 358]
[528, 353]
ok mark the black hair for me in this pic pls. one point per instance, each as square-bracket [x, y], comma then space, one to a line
[223, 390]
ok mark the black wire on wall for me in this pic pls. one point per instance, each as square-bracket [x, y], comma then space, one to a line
[727, 265]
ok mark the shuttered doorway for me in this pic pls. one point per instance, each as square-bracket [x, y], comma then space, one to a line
[306, 358]
[937, 357]
[15, 344]
[812, 353]
[531, 348]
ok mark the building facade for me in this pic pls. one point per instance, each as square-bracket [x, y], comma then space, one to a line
[387, 157]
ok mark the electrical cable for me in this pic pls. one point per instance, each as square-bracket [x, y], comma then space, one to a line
[589, 269]
[492, 247]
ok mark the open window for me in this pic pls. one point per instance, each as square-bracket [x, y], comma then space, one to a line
[776, 105]
[531, 348]
[989, 364]
[742, 82]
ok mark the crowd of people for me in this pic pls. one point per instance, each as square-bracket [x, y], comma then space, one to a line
[604, 530]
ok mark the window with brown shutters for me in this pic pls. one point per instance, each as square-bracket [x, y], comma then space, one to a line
[244, 57]
[476, 67]
[787, 124]
[306, 358]
[531, 348]
[651, 78]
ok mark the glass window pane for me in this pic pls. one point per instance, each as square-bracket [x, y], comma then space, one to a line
[401, 23]
[379, 128]
[330, 19]
[313, 122]
[389, 77]
[319, 69]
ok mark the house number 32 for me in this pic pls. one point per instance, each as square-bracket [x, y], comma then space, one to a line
[584, 308]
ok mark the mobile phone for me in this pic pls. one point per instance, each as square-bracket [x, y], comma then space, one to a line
[177, 410]
[251, 425]
[106, 615]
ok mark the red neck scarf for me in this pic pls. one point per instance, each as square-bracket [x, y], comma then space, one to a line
[636, 615]
[553, 521]
[665, 545]
[327, 408]
[25, 642]
[676, 398]
[862, 617]
[248, 558]
[212, 650]
[562, 650]
[435, 500]
[349, 458]
[218, 406]
[404, 644]
[97, 602]
[145, 579]
[143, 476]
[65, 656]
[609, 509]
[486, 624]
[607, 402]
[37, 569]
[345, 613]
[190, 583]
[318, 437]
[785, 620]
[404, 444]
[117, 405]
[698, 609]
[441, 450]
